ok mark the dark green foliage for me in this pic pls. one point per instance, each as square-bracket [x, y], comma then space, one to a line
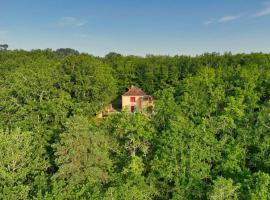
[208, 136]
[3, 47]
[66, 52]
[82, 157]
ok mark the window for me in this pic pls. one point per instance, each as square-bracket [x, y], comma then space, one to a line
[132, 99]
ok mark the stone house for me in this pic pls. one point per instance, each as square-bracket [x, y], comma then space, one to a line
[135, 100]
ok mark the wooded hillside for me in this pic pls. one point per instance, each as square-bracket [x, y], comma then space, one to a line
[209, 137]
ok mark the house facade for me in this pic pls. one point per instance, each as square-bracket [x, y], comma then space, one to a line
[135, 100]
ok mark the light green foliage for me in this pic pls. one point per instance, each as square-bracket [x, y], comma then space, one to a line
[223, 189]
[89, 82]
[260, 187]
[131, 184]
[207, 137]
[20, 164]
[133, 133]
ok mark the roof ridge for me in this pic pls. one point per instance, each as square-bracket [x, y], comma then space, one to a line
[134, 91]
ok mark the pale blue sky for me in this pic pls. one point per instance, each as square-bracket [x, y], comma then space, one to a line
[137, 27]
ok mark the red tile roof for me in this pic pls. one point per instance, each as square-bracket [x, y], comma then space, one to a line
[134, 91]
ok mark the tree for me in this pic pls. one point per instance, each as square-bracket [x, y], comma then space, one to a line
[133, 134]
[89, 83]
[82, 158]
[22, 168]
[223, 189]
[259, 186]
[66, 52]
[3, 47]
[207, 137]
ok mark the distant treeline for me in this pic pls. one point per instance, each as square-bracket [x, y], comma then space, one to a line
[3, 47]
[208, 137]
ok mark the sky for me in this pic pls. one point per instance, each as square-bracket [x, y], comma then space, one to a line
[137, 27]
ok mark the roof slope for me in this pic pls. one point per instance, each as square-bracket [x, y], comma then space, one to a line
[134, 91]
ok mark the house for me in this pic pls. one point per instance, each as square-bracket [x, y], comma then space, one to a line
[135, 100]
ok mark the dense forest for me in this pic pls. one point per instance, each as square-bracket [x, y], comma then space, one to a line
[207, 138]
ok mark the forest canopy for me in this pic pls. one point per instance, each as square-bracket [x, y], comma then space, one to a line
[208, 137]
